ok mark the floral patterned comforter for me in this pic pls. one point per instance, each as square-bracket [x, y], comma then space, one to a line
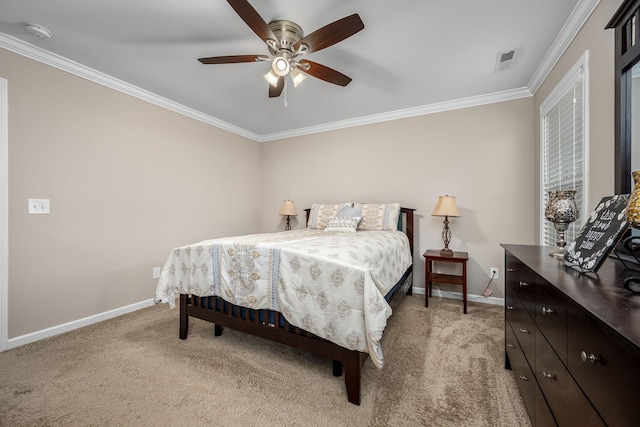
[331, 284]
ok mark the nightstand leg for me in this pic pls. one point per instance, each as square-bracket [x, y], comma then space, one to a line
[464, 286]
[427, 284]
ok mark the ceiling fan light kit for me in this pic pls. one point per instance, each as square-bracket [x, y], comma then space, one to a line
[286, 42]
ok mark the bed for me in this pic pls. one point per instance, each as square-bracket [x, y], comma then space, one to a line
[326, 289]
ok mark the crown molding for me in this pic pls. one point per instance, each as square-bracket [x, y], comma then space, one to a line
[579, 16]
[439, 107]
[38, 54]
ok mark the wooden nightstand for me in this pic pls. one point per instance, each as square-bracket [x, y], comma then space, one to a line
[433, 255]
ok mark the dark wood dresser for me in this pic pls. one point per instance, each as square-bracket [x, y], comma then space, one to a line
[572, 340]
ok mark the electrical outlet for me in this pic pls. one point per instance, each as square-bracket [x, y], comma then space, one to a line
[494, 273]
[156, 272]
[39, 206]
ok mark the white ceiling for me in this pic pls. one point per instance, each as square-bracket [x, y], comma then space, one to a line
[412, 56]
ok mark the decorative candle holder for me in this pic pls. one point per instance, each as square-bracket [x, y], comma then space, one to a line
[561, 210]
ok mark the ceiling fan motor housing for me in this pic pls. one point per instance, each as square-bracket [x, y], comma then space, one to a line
[288, 33]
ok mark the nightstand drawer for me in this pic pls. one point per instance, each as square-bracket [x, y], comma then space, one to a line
[551, 318]
[569, 405]
[610, 367]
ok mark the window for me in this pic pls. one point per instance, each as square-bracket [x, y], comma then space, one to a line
[563, 145]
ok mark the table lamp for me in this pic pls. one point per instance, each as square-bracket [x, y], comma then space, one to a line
[446, 207]
[288, 210]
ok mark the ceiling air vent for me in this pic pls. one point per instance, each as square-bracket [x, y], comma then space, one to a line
[506, 60]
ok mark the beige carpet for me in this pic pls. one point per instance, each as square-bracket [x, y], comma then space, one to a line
[442, 368]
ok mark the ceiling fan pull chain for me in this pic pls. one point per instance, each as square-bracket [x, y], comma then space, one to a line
[285, 90]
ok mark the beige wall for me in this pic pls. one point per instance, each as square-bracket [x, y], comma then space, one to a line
[127, 181]
[482, 155]
[601, 137]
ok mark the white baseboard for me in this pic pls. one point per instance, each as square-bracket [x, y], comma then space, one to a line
[458, 295]
[70, 326]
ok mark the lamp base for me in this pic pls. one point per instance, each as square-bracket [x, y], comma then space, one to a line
[446, 252]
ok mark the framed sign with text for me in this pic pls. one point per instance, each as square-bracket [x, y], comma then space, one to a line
[599, 234]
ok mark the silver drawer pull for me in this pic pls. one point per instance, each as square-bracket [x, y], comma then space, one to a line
[510, 307]
[511, 345]
[591, 358]
[546, 310]
[523, 283]
[548, 375]
[510, 270]
[523, 378]
[525, 331]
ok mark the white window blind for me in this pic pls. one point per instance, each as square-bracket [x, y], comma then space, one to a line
[563, 147]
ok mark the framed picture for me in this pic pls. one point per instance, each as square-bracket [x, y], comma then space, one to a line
[599, 234]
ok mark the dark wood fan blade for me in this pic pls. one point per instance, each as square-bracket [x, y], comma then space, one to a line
[325, 73]
[332, 33]
[230, 59]
[275, 92]
[252, 19]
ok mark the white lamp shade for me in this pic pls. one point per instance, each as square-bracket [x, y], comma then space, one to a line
[272, 78]
[288, 208]
[297, 76]
[446, 206]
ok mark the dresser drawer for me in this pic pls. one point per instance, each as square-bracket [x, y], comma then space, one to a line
[522, 373]
[569, 405]
[544, 417]
[551, 318]
[523, 327]
[521, 280]
[611, 378]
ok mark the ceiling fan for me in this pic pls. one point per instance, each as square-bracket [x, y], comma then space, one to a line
[288, 45]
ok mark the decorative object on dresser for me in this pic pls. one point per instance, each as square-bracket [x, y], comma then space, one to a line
[432, 256]
[571, 340]
[599, 234]
[446, 207]
[288, 210]
[631, 243]
[561, 210]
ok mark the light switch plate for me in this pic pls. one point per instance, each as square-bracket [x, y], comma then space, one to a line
[39, 206]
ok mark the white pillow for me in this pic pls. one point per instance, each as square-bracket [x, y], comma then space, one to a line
[342, 223]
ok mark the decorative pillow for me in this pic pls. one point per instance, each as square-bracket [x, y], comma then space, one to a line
[347, 210]
[342, 223]
[320, 214]
[378, 216]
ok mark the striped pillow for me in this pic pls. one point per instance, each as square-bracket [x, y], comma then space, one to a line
[378, 216]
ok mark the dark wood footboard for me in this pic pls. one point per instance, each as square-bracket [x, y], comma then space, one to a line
[222, 313]
[273, 326]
